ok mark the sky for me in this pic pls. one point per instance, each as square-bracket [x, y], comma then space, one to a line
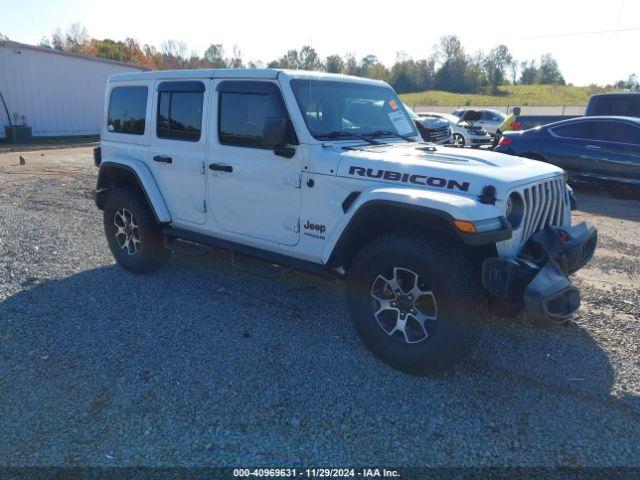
[594, 41]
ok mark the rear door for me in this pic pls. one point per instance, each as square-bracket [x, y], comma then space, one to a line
[178, 147]
[489, 121]
[613, 153]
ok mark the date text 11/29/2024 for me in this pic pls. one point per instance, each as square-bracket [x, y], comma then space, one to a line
[316, 472]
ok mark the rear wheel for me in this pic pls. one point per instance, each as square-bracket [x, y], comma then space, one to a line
[135, 238]
[415, 303]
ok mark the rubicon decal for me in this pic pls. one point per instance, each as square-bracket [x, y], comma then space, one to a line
[415, 179]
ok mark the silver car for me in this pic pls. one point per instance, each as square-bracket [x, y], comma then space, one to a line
[490, 119]
[464, 130]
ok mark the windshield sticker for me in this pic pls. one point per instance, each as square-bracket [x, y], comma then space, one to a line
[393, 104]
[399, 120]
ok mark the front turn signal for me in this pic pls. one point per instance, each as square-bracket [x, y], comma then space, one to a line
[465, 226]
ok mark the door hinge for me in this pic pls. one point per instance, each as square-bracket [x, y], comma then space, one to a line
[202, 169]
[293, 225]
[200, 206]
[294, 181]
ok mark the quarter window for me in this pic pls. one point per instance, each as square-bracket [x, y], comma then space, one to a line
[180, 111]
[243, 110]
[127, 110]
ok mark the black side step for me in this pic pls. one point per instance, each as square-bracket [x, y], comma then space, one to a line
[188, 247]
[200, 240]
[258, 267]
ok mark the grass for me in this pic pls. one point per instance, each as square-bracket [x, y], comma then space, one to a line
[509, 95]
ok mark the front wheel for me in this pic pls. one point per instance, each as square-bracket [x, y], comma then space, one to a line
[458, 139]
[415, 303]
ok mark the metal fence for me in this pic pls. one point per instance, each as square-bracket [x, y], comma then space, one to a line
[526, 109]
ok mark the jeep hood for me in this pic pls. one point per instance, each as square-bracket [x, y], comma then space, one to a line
[457, 170]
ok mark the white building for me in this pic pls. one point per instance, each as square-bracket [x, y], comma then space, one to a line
[57, 93]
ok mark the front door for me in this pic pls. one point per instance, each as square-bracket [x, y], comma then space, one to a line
[178, 148]
[614, 152]
[253, 191]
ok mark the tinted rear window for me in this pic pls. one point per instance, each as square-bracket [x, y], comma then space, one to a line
[619, 105]
[127, 110]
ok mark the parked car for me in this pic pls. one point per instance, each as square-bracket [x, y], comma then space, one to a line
[463, 132]
[624, 104]
[434, 130]
[602, 150]
[490, 119]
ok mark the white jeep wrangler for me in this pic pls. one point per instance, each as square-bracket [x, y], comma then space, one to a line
[326, 173]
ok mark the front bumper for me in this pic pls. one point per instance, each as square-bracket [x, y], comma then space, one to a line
[538, 277]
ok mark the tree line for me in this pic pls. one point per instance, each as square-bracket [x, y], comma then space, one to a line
[448, 66]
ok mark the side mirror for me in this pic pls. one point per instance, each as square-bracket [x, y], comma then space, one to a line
[275, 132]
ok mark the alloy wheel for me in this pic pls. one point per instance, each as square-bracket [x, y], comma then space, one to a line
[127, 231]
[404, 305]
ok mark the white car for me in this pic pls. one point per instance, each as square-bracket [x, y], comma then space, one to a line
[464, 132]
[490, 119]
[327, 174]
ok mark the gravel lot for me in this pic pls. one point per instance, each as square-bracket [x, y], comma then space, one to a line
[201, 364]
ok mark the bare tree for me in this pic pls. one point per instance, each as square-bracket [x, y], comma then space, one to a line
[236, 58]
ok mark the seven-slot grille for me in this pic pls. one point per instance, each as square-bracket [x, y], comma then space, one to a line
[544, 204]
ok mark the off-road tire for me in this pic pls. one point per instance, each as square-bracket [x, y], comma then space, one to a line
[150, 252]
[456, 288]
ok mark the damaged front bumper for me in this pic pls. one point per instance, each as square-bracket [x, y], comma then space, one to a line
[538, 277]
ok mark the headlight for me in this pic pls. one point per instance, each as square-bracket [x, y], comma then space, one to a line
[489, 225]
[515, 210]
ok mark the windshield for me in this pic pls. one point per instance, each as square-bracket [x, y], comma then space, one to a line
[335, 109]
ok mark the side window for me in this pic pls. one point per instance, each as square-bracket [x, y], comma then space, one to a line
[127, 110]
[574, 130]
[243, 109]
[616, 132]
[180, 110]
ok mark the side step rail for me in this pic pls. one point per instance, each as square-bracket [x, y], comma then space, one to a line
[255, 266]
[185, 246]
[194, 244]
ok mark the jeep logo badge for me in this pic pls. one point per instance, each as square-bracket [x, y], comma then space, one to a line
[313, 226]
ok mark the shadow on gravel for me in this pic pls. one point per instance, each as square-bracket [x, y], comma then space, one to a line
[623, 204]
[202, 365]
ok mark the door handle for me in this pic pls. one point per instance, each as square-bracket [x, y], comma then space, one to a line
[221, 167]
[593, 147]
[162, 159]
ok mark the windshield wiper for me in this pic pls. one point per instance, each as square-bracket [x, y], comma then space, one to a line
[379, 133]
[346, 133]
